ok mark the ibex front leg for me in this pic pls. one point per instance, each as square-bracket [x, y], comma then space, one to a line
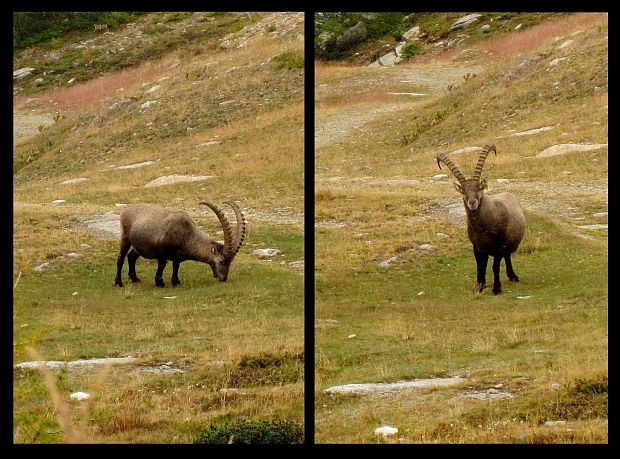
[482, 258]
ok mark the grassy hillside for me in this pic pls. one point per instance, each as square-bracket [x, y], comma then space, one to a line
[395, 269]
[212, 95]
[384, 31]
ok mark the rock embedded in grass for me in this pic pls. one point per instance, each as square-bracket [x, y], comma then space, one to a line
[266, 253]
[386, 431]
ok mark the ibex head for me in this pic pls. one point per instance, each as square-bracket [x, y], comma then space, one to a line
[223, 254]
[471, 189]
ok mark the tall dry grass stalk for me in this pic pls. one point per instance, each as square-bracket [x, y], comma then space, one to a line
[73, 433]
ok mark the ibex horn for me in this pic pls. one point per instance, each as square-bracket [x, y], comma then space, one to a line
[483, 156]
[448, 162]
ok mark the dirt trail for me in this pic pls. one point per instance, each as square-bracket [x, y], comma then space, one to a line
[333, 126]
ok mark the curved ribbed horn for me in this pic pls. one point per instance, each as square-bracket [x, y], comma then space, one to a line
[483, 156]
[228, 236]
[240, 232]
[448, 162]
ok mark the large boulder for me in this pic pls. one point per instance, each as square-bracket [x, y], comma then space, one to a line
[352, 36]
[463, 22]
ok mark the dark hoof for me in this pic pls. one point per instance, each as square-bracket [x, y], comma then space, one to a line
[479, 287]
[174, 284]
[119, 284]
[159, 283]
[135, 280]
[514, 279]
[497, 290]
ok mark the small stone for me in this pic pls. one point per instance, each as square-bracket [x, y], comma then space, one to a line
[71, 81]
[386, 431]
[266, 253]
[441, 236]
[73, 255]
[555, 62]
[41, 267]
[351, 336]
[425, 246]
[440, 176]
[86, 246]
[421, 293]
[153, 89]
[148, 104]
[79, 396]
[527, 297]
[58, 202]
[518, 26]
[75, 294]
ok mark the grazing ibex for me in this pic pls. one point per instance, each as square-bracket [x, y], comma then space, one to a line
[150, 231]
[495, 223]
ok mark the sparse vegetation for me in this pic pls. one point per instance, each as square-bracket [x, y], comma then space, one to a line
[252, 432]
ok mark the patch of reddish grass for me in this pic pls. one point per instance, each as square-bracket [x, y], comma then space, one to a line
[93, 91]
[532, 38]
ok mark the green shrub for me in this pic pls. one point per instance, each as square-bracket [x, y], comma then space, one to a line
[290, 60]
[252, 432]
[411, 49]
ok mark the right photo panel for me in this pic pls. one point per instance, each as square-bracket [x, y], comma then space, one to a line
[461, 227]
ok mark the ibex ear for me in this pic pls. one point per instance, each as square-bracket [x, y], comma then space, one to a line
[458, 187]
[483, 184]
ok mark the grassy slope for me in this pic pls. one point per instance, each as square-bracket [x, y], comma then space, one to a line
[544, 349]
[208, 329]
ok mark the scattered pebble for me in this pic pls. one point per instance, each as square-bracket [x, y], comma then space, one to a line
[351, 336]
[266, 253]
[527, 297]
[58, 202]
[79, 396]
[170, 297]
[41, 267]
[425, 246]
[386, 431]
[554, 423]
[75, 294]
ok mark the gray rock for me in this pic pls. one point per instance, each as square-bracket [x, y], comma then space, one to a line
[386, 431]
[465, 21]
[565, 148]
[425, 246]
[266, 253]
[169, 179]
[41, 267]
[352, 36]
[519, 26]
[485, 28]
[388, 60]
[148, 104]
[71, 81]
[22, 73]
[554, 423]
[384, 388]
[38, 81]
[74, 181]
[412, 34]
[58, 202]
[557, 61]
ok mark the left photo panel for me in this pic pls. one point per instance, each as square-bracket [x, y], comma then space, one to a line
[158, 227]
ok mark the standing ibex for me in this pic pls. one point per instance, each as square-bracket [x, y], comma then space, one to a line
[495, 223]
[150, 231]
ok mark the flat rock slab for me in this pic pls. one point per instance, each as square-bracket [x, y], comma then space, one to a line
[74, 181]
[76, 363]
[170, 179]
[565, 148]
[109, 224]
[528, 132]
[489, 394]
[135, 166]
[385, 388]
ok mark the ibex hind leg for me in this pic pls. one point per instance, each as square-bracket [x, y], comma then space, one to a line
[125, 246]
[132, 256]
[175, 273]
[159, 280]
[509, 271]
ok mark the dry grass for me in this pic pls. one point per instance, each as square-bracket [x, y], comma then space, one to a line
[532, 38]
[83, 96]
